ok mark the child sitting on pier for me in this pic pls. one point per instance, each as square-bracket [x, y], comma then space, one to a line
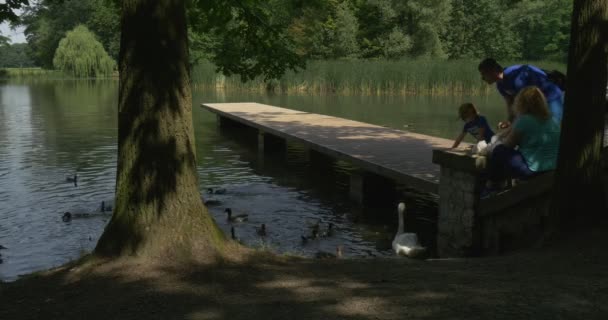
[474, 123]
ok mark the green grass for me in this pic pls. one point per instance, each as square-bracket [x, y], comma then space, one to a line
[25, 72]
[36, 73]
[367, 77]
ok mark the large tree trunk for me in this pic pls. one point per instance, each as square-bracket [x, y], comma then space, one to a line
[158, 206]
[579, 184]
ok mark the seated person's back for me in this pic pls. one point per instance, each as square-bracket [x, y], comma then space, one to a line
[539, 143]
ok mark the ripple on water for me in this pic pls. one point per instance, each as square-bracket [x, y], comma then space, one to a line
[47, 135]
[288, 217]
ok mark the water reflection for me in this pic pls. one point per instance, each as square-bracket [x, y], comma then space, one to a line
[53, 129]
[49, 131]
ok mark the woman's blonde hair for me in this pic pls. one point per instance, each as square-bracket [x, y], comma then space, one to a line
[530, 100]
[465, 109]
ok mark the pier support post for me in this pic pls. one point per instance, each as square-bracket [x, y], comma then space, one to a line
[371, 189]
[320, 161]
[269, 143]
[260, 142]
[356, 187]
[458, 199]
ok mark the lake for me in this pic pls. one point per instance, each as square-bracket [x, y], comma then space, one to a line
[52, 130]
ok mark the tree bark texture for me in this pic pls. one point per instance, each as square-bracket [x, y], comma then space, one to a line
[579, 183]
[158, 206]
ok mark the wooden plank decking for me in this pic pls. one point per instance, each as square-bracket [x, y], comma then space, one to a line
[399, 155]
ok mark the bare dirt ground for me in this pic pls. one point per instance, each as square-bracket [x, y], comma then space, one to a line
[566, 280]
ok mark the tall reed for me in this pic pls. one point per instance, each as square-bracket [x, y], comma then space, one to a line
[35, 74]
[363, 77]
[25, 72]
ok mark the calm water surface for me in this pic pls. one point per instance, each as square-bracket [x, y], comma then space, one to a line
[52, 130]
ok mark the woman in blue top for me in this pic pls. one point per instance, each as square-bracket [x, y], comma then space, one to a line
[536, 134]
[474, 124]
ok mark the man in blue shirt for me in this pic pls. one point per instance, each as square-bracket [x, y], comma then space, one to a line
[509, 81]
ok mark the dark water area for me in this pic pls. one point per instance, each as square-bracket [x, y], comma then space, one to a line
[52, 130]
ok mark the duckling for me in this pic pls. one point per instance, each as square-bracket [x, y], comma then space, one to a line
[315, 229]
[406, 243]
[313, 236]
[104, 207]
[68, 216]
[261, 231]
[316, 226]
[216, 191]
[236, 218]
[330, 230]
[232, 235]
[329, 255]
[73, 179]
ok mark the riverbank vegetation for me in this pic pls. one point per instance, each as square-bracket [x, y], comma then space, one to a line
[343, 77]
[25, 72]
[81, 55]
[364, 77]
[15, 56]
[353, 46]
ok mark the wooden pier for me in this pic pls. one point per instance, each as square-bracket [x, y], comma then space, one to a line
[401, 156]
[466, 225]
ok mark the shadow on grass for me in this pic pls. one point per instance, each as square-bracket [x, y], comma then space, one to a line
[533, 285]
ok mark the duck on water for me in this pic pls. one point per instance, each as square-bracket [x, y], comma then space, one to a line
[235, 218]
[216, 191]
[73, 179]
[68, 216]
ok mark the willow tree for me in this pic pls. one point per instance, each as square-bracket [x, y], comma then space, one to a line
[158, 208]
[579, 183]
[81, 55]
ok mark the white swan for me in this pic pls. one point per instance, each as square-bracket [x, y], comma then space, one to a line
[406, 244]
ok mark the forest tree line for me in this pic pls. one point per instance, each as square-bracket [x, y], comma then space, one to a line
[339, 29]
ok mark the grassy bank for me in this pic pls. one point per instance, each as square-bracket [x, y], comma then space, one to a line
[40, 73]
[564, 280]
[369, 77]
[27, 72]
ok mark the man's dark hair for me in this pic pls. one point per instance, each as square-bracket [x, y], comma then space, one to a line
[489, 64]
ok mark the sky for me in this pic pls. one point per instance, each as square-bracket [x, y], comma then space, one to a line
[16, 35]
